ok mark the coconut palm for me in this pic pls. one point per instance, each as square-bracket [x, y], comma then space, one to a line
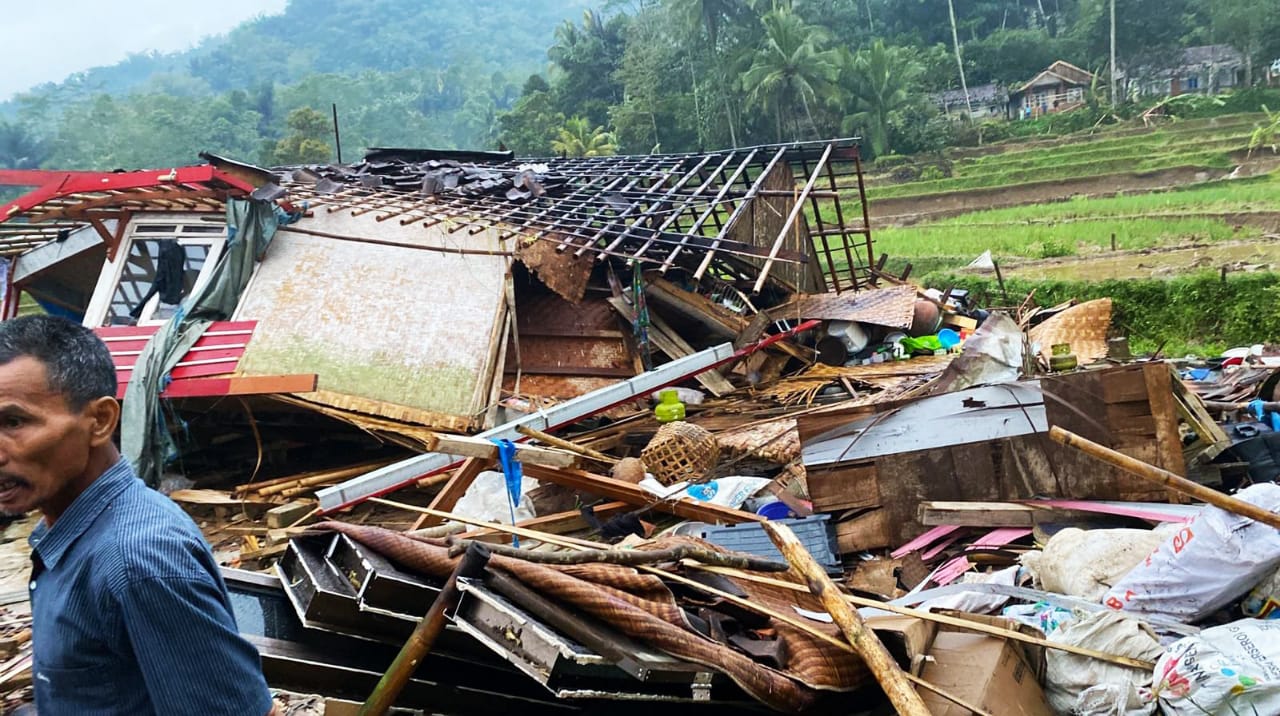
[791, 69]
[878, 81]
[577, 139]
[706, 14]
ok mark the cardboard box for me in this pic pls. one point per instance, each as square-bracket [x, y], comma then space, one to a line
[986, 671]
[907, 638]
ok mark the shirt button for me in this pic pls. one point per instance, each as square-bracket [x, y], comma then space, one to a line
[32, 586]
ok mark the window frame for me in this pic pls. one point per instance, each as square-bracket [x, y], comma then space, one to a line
[104, 292]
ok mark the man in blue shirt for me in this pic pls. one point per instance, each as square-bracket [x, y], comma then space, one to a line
[130, 614]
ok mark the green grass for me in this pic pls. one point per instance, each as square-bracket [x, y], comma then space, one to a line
[1207, 160]
[1253, 194]
[1079, 226]
[1200, 314]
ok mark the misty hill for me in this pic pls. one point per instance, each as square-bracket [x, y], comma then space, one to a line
[401, 72]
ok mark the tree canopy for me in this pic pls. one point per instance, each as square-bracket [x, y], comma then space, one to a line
[568, 76]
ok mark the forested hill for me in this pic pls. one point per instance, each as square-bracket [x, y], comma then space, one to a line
[602, 76]
[419, 72]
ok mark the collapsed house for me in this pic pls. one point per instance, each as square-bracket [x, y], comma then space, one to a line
[432, 350]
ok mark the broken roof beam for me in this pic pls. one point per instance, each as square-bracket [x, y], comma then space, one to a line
[675, 212]
[792, 217]
[711, 210]
[755, 189]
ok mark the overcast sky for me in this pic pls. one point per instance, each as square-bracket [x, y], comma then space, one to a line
[46, 40]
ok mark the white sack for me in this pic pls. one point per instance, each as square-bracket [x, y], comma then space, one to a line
[1205, 564]
[1085, 563]
[1228, 669]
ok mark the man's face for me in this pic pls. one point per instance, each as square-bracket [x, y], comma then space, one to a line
[44, 443]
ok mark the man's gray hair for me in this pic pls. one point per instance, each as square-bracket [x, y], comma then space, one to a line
[77, 363]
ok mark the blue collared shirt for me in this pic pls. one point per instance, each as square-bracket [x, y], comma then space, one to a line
[130, 614]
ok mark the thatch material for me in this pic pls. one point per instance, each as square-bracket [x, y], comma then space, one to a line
[1084, 327]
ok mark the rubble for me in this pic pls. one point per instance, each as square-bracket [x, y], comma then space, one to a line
[856, 495]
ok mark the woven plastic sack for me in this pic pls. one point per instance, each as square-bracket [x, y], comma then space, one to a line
[1204, 565]
[1263, 601]
[1229, 669]
[1082, 686]
[1085, 563]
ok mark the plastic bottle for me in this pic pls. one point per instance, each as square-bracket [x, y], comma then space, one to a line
[669, 408]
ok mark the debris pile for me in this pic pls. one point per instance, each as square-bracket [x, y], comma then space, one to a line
[605, 432]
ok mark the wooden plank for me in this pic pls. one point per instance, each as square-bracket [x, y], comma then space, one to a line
[217, 498]
[976, 514]
[1159, 381]
[467, 446]
[453, 490]
[638, 496]
[843, 488]
[239, 385]
[674, 347]
[288, 514]
[869, 530]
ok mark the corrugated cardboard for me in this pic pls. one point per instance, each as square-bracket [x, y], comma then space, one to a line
[986, 671]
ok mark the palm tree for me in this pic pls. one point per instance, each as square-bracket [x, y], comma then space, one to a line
[790, 68]
[706, 14]
[578, 139]
[878, 80]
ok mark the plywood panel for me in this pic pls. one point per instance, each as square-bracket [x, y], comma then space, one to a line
[403, 326]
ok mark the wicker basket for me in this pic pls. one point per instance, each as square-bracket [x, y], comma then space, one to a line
[680, 451]
[1084, 327]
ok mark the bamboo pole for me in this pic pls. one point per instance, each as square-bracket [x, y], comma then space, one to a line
[956, 622]
[1174, 482]
[424, 635]
[566, 444]
[905, 699]
[754, 607]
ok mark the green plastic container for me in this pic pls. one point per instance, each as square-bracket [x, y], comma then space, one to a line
[669, 408]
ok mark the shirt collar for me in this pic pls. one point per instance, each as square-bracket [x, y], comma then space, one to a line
[52, 542]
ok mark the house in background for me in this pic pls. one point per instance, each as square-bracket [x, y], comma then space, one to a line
[989, 101]
[1059, 88]
[1207, 69]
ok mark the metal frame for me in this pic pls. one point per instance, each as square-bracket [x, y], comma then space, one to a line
[665, 210]
[67, 200]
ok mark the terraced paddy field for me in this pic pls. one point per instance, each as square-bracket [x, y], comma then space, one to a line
[1164, 212]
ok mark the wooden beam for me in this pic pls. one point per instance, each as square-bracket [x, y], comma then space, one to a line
[638, 496]
[888, 674]
[1170, 480]
[976, 514]
[452, 491]
[240, 385]
[467, 446]
[565, 444]
[674, 346]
